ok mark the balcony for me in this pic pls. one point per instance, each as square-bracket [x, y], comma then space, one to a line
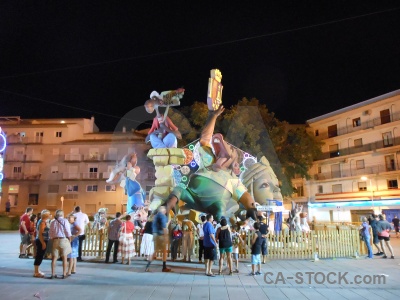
[90, 176]
[72, 157]
[71, 176]
[363, 148]
[34, 158]
[375, 169]
[92, 157]
[364, 125]
[14, 157]
[23, 176]
[110, 157]
[55, 176]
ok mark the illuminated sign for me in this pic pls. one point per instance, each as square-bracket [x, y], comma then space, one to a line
[355, 204]
[3, 144]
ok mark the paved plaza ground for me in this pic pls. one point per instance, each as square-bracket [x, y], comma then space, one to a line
[287, 279]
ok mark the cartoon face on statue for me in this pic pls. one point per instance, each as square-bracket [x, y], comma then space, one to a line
[262, 182]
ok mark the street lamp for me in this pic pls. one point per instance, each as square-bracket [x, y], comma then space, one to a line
[62, 202]
[364, 178]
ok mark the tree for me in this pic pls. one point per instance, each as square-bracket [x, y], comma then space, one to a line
[249, 126]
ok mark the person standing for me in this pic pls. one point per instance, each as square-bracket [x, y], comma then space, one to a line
[395, 222]
[383, 229]
[160, 237]
[373, 222]
[210, 244]
[264, 232]
[8, 207]
[41, 241]
[175, 234]
[224, 239]
[200, 234]
[113, 230]
[364, 230]
[75, 231]
[256, 243]
[126, 247]
[188, 229]
[24, 231]
[82, 220]
[60, 234]
[236, 240]
[147, 244]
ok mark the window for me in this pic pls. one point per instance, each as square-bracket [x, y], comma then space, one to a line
[58, 134]
[110, 188]
[54, 169]
[72, 188]
[150, 174]
[93, 172]
[362, 186]
[316, 132]
[332, 131]
[335, 171]
[300, 191]
[334, 150]
[356, 122]
[392, 184]
[336, 188]
[38, 136]
[319, 170]
[387, 139]
[17, 169]
[33, 199]
[53, 188]
[360, 164]
[320, 189]
[385, 116]
[358, 143]
[91, 188]
[390, 163]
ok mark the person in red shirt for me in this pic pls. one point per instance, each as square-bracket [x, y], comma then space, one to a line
[24, 230]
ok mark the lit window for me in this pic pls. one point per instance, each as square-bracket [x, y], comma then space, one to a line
[72, 188]
[356, 122]
[91, 188]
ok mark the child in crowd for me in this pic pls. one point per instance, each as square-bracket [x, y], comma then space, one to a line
[236, 240]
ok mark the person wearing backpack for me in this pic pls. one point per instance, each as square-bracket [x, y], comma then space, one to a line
[223, 237]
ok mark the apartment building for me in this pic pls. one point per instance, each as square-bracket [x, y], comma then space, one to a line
[61, 163]
[359, 170]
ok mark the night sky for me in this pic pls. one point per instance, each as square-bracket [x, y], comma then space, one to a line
[300, 58]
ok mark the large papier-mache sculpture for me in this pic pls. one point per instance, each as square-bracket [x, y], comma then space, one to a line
[215, 187]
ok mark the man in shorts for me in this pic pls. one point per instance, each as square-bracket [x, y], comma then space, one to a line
[160, 237]
[24, 228]
[210, 244]
[60, 234]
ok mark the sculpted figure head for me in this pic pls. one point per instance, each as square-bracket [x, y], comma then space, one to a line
[262, 182]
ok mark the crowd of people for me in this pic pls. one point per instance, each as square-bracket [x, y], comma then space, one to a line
[58, 238]
[61, 237]
[380, 228]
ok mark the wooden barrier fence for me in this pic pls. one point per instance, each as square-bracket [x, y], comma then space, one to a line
[342, 242]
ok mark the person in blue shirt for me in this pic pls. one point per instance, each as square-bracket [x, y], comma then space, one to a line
[160, 237]
[209, 244]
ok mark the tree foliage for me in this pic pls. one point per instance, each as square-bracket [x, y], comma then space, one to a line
[249, 126]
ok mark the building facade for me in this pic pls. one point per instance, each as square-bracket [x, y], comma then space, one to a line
[359, 170]
[61, 163]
